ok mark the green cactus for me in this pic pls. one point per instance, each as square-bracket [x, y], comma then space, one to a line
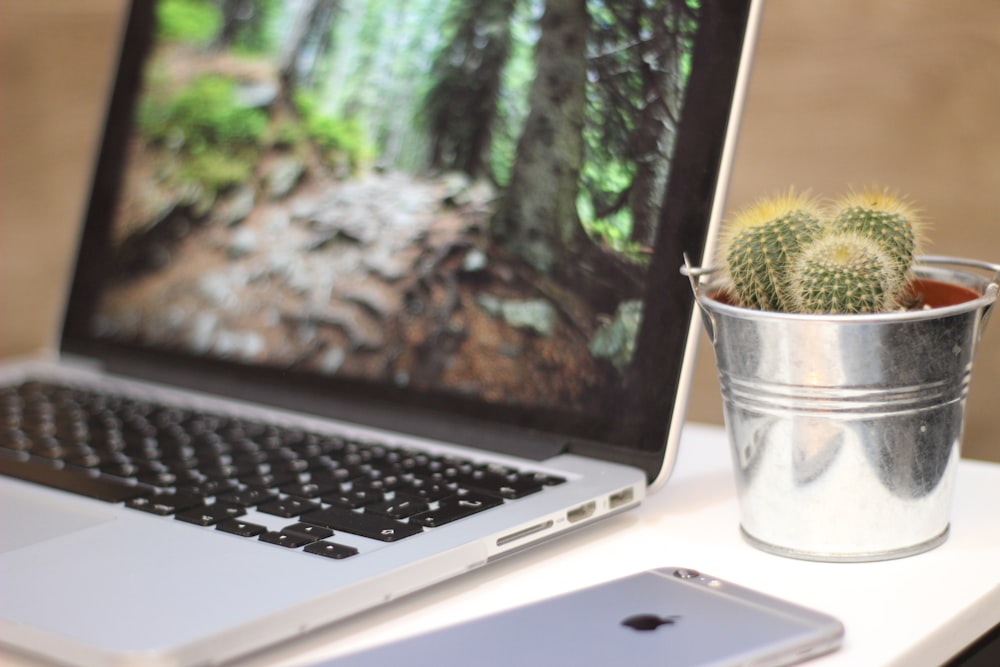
[883, 217]
[759, 243]
[786, 253]
[844, 272]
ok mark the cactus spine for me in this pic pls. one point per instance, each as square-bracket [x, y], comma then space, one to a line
[787, 253]
[760, 242]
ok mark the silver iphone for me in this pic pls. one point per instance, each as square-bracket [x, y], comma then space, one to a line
[673, 617]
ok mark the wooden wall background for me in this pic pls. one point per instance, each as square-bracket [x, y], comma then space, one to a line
[844, 93]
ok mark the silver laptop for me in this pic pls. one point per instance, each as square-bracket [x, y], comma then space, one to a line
[368, 295]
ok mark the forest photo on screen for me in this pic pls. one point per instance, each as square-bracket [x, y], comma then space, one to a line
[455, 196]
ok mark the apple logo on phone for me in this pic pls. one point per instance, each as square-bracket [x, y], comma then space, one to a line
[647, 622]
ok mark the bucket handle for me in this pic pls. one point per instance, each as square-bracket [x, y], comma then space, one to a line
[991, 290]
[694, 273]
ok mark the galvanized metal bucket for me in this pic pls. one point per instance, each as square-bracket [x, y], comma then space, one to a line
[846, 429]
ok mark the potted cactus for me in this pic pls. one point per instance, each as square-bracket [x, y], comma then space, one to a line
[844, 359]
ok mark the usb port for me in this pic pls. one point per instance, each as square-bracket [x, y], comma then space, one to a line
[582, 512]
[623, 497]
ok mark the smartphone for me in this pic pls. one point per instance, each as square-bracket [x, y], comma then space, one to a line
[674, 617]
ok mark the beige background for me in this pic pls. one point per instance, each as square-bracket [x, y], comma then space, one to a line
[844, 93]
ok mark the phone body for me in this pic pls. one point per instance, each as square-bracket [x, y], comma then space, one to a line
[670, 616]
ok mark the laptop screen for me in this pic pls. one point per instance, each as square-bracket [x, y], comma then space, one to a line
[475, 206]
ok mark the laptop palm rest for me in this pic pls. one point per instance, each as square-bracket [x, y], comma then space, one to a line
[28, 519]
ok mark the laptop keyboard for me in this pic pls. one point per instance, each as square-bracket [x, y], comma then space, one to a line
[214, 470]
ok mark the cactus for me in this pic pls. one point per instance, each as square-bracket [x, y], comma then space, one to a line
[844, 272]
[884, 218]
[786, 253]
[759, 242]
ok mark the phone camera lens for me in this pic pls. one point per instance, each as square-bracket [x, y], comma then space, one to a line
[684, 573]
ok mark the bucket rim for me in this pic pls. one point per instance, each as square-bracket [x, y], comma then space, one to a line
[929, 266]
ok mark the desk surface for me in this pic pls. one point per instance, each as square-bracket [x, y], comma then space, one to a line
[914, 611]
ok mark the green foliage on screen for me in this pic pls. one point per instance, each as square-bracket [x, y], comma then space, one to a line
[195, 21]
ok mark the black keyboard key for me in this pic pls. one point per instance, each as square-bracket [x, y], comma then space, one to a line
[354, 499]
[248, 497]
[383, 484]
[188, 478]
[429, 491]
[84, 459]
[308, 489]
[49, 448]
[179, 464]
[399, 508]
[503, 485]
[281, 538]
[109, 441]
[206, 488]
[331, 550]
[287, 507]
[229, 470]
[209, 515]
[337, 475]
[251, 459]
[289, 467]
[161, 479]
[119, 468]
[455, 508]
[309, 530]
[239, 527]
[270, 479]
[356, 523]
[14, 439]
[68, 479]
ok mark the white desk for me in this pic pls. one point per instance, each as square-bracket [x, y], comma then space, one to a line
[909, 612]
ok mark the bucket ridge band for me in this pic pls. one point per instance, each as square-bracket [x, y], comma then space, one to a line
[759, 396]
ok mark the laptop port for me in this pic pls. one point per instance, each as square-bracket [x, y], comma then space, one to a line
[513, 537]
[582, 512]
[623, 497]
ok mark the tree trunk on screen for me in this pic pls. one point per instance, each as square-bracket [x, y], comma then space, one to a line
[461, 106]
[538, 219]
[659, 113]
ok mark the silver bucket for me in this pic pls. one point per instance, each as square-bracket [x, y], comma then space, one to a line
[846, 429]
